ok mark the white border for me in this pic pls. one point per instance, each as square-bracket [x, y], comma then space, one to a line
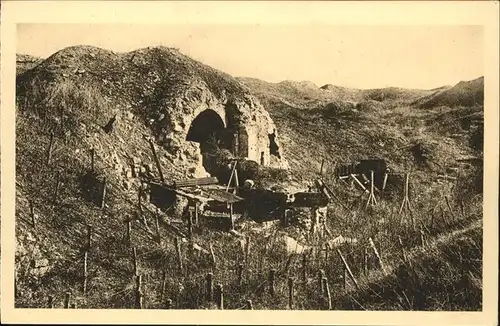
[334, 13]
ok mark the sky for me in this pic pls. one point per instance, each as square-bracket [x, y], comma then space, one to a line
[422, 57]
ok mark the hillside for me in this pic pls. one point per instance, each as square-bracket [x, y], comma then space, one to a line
[464, 94]
[84, 100]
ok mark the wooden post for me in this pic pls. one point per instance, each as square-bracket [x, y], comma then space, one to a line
[344, 277]
[220, 296]
[32, 214]
[190, 227]
[50, 302]
[240, 274]
[385, 181]
[327, 249]
[103, 193]
[85, 272]
[247, 249]
[236, 182]
[138, 292]
[377, 254]
[67, 299]
[321, 274]
[92, 155]
[403, 251]
[168, 304]
[196, 213]
[406, 202]
[178, 251]
[231, 177]
[212, 255]
[365, 261]
[89, 236]
[163, 284]
[49, 152]
[304, 267]
[272, 277]
[157, 227]
[422, 238]
[158, 166]
[249, 305]
[290, 293]
[134, 257]
[231, 216]
[129, 232]
[347, 268]
[371, 197]
[58, 184]
[326, 293]
[209, 286]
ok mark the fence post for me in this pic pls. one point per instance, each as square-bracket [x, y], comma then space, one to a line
[155, 157]
[163, 284]
[365, 261]
[209, 286]
[67, 299]
[178, 251]
[220, 296]
[92, 154]
[32, 214]
[327, 294]
[290, 293]
[134, 257]
[58, 184]
[247, 249]
[196, 214]
[50, 301]
[138, 292]
[157, 225]
[129, 232]
[347, 268]
[89, 236]
[85, 272]
[403, 251]
[240, 274]
[212, 255]
[304, 267]
[321, 274]
[272, 277]
[377, 254]
[190, 227]
[103, 193]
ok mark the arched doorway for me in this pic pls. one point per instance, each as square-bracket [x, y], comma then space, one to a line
[209, 131]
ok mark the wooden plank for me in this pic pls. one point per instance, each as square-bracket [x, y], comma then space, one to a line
[196, 182]
[359, 183]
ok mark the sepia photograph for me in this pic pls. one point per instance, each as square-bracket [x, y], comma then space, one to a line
[272, 167]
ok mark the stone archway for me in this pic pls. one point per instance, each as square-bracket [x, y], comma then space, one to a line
[209, 131]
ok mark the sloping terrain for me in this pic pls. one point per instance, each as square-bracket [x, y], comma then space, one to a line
[464, 94]
[26, 62]
[64, 104]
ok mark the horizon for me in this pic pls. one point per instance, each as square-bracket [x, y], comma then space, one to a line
[454, 53]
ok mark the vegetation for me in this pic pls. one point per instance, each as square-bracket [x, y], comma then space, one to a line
[441, 268]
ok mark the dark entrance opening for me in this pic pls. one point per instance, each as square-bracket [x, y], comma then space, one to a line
[208, 130]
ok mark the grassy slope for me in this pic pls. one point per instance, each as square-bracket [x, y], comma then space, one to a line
[309, 128]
